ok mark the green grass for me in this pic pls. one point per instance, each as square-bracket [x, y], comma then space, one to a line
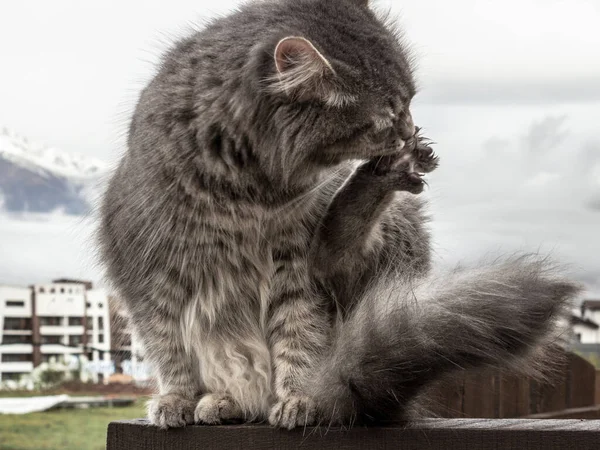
[63, 429]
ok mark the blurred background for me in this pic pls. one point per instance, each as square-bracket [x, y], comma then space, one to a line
[509, 91]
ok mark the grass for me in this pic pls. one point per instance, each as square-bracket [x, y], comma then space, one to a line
[64, 429]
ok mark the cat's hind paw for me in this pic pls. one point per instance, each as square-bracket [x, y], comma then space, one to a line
[214, 409]
[293, 412]
[171, 411]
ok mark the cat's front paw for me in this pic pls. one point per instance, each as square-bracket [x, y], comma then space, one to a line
[171, 411]
[296, 411]
[425, 158]
[214, 409]
[396, 172]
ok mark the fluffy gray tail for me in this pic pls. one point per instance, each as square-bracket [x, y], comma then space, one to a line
[402, 336]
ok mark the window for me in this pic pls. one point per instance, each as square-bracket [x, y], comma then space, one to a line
[51, 339]
[47, 356]
[17, 357]
[52, 321]
[17, 323]
[88, 305]
[9, 339]
[100, 305]
[100, 339]
[15, 303]
[52, 290]
[14, 376]
[100, 322]
[75, 340]
[578, 337]
[62, 290]
[75, 321]
[42, 290]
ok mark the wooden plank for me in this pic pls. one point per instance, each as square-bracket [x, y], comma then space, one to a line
[582, 382]
[481, 395]
[514, 397]
[597, 390]
[435, 434]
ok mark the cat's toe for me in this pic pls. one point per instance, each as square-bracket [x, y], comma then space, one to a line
[293, 412]
[425, 158]
[171, 411]
[214, 409]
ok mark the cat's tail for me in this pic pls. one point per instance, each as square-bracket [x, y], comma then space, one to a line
[402, 336]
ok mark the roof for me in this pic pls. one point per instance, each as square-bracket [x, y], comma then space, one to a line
[591, 304]
[88, 284]
[576, 320]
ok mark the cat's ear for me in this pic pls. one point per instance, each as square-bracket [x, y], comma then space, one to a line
[302, 71]
[300, 55]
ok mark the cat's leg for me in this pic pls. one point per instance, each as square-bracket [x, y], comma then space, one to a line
[299, 328]
[174, 366]
[236, 372]
[367, 224]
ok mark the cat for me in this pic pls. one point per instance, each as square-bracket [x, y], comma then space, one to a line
[269, 275]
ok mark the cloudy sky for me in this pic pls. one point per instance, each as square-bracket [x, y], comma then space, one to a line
[510, 91]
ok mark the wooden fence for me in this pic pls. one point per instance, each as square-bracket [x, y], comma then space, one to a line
[496, 395]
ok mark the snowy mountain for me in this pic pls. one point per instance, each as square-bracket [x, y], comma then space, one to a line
[40, 179]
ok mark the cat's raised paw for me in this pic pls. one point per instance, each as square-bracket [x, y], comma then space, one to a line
[424, 157]
[293, 412]
[171, 411]
[396, 171]
[214, 409]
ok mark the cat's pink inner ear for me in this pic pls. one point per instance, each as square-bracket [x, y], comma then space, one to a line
[297, 52]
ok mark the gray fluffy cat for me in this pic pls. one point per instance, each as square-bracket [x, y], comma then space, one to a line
[267, 276]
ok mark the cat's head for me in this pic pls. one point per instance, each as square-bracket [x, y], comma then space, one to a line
[340, 82]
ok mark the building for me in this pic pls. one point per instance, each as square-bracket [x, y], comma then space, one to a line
[590, 310]
[585, 326]
[585, 330]
[59, 320]
[127, 350]
[16, 349]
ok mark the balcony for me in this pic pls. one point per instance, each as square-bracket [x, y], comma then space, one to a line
[25, 366]
[16, 348]
[61, 329]
[17, 332]
[58, 349]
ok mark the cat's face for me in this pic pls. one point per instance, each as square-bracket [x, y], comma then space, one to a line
[349, 84]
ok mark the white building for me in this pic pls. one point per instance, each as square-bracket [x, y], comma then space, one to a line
[16, 349]
[586, 328]
[62, 319]
[129, 351]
